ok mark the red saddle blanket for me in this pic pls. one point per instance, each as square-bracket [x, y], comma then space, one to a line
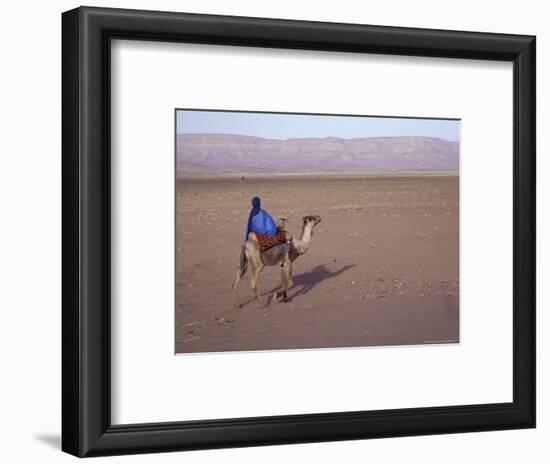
[266, 242]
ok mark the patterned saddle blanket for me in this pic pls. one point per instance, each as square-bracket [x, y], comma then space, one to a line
[266, 242]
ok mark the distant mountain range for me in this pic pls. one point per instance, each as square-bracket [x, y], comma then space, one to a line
[199, 154]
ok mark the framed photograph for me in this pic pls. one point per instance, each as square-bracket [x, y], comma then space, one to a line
[284, 231]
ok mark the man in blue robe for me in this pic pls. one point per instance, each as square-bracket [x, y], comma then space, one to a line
[259, 221]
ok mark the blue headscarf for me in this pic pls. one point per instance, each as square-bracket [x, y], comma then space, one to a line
[255, 210]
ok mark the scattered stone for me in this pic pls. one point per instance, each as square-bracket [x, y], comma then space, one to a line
[190, 324]
[223, 320]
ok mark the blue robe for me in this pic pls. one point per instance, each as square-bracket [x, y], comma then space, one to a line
[262, 223]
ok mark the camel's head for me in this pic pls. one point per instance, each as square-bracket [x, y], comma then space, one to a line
[312, 220]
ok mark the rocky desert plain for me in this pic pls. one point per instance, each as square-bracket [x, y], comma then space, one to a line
[383, 265]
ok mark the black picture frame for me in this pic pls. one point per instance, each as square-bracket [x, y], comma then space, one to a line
[86, 228]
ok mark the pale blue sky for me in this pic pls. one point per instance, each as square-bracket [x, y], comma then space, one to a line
[286, 126]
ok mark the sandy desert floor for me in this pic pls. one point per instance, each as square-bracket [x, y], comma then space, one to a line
[383, 267]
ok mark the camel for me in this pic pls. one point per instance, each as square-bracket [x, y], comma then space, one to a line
[282, 255]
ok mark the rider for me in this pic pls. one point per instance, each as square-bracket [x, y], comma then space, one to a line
[259, 221]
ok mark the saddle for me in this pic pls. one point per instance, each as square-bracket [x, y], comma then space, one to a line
[266, 242]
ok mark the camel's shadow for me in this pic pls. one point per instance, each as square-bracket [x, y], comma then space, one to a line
[307, 281]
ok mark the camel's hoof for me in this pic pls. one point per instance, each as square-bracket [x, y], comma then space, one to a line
[281, 297]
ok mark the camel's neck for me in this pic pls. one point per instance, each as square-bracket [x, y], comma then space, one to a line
[302, 244]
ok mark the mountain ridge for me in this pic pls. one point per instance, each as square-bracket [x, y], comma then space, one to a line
[233, 153]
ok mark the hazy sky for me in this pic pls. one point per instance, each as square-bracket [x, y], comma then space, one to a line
[286, 126]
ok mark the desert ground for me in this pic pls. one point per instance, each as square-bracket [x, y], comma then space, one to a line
[383, 267]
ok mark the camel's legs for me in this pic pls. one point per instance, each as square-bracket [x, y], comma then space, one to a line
[286, 278]
[235, 287]
[240, 273]
[290, 280]
[286, 281]
[256, 271]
